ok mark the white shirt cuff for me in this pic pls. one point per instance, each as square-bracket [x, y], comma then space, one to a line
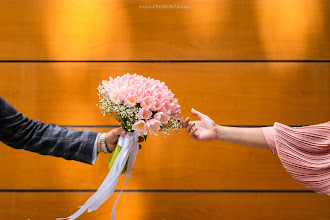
[94, 156]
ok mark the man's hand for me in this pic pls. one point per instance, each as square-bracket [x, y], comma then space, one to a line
[111, 139]
[203, 130]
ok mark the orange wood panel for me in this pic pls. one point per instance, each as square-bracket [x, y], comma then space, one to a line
[150, 206]
[121, 29]
[174, 162]
[230, 93]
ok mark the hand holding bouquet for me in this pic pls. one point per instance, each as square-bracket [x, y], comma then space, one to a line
[141, 105]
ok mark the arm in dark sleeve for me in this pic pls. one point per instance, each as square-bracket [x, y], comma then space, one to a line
[20, 132]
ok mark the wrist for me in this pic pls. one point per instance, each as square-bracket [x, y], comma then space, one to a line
[99, 149]
[102, 145]
[219, 132]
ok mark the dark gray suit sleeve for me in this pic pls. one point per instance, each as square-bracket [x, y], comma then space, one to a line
[20, 132]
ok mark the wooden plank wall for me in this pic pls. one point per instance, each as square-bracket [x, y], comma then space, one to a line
[244, 63]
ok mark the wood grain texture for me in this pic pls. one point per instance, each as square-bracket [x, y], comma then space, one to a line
[122, 30]
[150, 206]
[174, 162]
[230, 93]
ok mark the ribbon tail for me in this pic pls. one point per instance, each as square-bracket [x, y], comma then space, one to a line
[132, 157]
[109, 184]
[102, 197]
[107, 187]
[111, 187]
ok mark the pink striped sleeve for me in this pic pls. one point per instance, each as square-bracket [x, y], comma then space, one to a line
[269, 134]
[305, 154]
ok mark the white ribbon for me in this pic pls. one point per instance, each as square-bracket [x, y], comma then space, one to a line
[130, 148]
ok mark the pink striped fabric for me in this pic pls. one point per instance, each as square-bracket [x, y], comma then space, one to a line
[304, 153]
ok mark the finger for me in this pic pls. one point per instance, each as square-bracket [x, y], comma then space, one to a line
[190, 125]
[197, 114]
[192, 133]
[185, 122]
[195, 132]
[141, 139]
[113, 135]
[122, 132]
[118, 132]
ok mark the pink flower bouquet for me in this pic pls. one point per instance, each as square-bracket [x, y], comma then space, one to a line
[141, 105]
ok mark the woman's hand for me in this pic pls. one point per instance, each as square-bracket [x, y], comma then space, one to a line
[203, 130]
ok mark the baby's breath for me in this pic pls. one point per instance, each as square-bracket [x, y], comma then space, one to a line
[124, 114]
[173, 124]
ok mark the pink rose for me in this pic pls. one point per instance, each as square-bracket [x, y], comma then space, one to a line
[140, 126]
[153, 126]
[145, 113]
[163, 118]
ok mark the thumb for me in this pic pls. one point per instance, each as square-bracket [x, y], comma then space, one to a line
[197, 114]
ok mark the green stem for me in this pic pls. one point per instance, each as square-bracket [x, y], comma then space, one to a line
[113, 158]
